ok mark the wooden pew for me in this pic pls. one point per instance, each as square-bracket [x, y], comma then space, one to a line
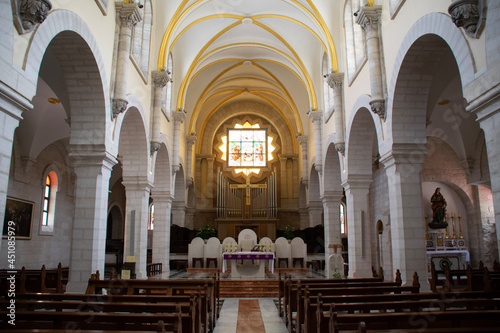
[447, 321]
[399, 304]
[154, 269]
[206, 288]
[290, 289]
[187, 308]
[75, 320]
[296, 309]
[36, 280]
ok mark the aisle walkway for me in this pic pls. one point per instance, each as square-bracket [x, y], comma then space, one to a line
[241, 317]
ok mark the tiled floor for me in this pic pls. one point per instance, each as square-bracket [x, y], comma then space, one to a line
[227, 321]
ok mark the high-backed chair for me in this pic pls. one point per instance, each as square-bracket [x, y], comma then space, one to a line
[265, 241]
[196, 252]
[283, 251]
[212, 252]
[247, 239]
[299, 252]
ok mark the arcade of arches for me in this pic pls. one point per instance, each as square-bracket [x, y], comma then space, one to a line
[115, 117]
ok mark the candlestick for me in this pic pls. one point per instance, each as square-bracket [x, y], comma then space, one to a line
[460, 227]
[427, 236]
[446, 219]
[453, 226]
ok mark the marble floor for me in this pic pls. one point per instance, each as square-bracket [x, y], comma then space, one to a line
[230, 313]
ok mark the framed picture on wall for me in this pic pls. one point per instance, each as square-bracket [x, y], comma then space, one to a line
[21, 213]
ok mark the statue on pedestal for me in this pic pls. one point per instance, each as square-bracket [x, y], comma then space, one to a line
[438, 207]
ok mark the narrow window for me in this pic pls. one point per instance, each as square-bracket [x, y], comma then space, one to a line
[151, 223]
[342, 219]
[46, 202]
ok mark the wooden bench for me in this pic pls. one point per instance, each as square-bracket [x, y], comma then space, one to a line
[287, 287]
[448, 321]
[321, 324]
[86, 320]
[154, 269]
[187, 308]
[207, 289]
[296, 308]
[35, 280]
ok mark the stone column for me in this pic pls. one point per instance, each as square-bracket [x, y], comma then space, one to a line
[12, 106]
[317, 118]
[368, 18]
[403, 166]
[487, 109]
[315, 209]
[303, 145]
[336, 82]
[160, 79]
[136, 222]
[331, 207]
[284, 187]
[357, 188]
[128, 14]
[88, 244]
[179, 214]
[178, 118]
[161, 232]
[190, 140]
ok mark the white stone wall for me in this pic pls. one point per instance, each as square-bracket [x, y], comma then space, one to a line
[44, 249]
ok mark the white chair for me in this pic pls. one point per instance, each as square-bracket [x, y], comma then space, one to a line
[212, 252]
[299, 252]
[196, 252]
[283, 251]
[247, 239]
[265, 241]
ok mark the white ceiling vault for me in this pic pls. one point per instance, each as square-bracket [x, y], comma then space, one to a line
[265, 51]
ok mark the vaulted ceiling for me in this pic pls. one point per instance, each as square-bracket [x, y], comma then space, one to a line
[265, 51]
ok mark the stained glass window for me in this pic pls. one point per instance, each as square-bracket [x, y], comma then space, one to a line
[247, 148]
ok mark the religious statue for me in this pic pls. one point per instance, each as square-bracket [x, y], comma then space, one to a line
[438, 207]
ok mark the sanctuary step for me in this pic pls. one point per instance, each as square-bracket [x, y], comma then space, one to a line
[248, 288]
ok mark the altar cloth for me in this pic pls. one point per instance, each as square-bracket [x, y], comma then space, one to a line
[248, 256]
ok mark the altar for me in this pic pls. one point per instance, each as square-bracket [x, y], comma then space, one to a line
[454, 259]
[248, 269]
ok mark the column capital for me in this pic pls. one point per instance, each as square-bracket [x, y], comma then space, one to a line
[128, 13]
[302, 140]
[368, 17]
[86, 155]
[136, 183]
[340, 147]
[378, 107]
[119, 106]
[12, 103]
[179, 116]
[411, 153]
[162, 196]
[332, 197]
[315, 116]
[160, 78]
[357, 182]
[467, 14]
[335, 80]
[29, 13]
[191, 139]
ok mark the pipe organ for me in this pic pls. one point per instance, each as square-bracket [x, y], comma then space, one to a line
[246, 201]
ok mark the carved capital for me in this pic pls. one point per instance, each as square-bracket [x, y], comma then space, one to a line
[160, 78]
[191, 139]
[335, 80]
[119, 106]
[29, 13]
[155, 146]
[378, 107]
[179, 116]
[129, 14]
[368, 18]
[340, 146]
[302, 140]
[467, 14]
[315, 116]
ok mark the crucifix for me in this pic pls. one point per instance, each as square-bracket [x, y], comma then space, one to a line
[248, 186]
